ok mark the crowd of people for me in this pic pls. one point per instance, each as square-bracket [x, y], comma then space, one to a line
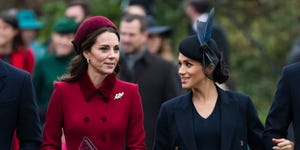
[96, 85]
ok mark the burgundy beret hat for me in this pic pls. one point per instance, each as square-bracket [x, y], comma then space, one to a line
[87, 27]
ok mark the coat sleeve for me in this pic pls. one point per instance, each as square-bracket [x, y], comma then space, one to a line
[136, 133]
[161, 138]
[255, 128]
[54, 122]
[28, 124]
[279, 116]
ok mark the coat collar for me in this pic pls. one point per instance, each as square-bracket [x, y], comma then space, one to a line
[105, 89]
[229, 110]
[185, 124]
[3, 74]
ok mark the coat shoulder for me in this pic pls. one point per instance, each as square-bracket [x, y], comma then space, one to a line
[292, 69]
[242, 101]
[179, 101]
[14, 72]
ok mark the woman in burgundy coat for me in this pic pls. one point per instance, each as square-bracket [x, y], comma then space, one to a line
[90, 106]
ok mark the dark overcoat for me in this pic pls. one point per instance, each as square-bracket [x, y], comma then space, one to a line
[240, 125]
[158, 81]
[18, 109]
[285, 108]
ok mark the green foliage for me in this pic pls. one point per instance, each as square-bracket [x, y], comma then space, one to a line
[110, 9]
[255, 66]
[51, 11]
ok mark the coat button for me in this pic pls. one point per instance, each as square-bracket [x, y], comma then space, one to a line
[86, 119]
[104, 119]
[242, 143]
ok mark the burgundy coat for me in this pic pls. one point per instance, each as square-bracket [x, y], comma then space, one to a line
[110, 116]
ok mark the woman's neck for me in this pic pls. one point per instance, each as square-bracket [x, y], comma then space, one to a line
[5, 49]
[96, 78]
[205, 92]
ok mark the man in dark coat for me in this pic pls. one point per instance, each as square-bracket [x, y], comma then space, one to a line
[158, 79]
[285, 108]
[18, 109]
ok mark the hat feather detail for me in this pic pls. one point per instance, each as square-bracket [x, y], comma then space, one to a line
[204, 29]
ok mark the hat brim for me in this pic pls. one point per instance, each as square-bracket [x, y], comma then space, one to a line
[31, 25]
[163, 30]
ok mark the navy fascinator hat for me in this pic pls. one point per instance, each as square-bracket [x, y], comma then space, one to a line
[201, 47]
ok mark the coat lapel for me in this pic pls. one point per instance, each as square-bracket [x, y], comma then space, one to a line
[184, 123]
[228, 122]
[3, 74]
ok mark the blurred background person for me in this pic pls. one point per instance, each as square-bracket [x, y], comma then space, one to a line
[12, 47]
[78, 10]
[49, 68]
[18, 109]
[89, 101]
[134, 10]
[159, 41]
[156, 77]
[30, 28]
[147, 5]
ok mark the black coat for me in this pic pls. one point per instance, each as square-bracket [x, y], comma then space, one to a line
[158, 81]
[18, 109]
[240, 125]
[285, 108]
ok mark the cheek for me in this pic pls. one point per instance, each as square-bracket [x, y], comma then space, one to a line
[99, 57]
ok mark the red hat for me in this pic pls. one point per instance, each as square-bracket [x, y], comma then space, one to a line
[87, 27]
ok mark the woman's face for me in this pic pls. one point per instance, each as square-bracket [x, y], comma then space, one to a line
[7, 33]
[104, 54]
[62, 44]
[190, 72]
[154, 42]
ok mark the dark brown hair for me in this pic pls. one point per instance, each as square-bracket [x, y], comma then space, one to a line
[142, 20]
[79, 65]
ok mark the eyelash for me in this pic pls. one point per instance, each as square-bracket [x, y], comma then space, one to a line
[106, 48]
[186, 64]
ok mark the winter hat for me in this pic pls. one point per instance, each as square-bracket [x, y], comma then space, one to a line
[153, 28]
[27, 20]
[200, 46]
[190, 47]
[87, 27]
[65, 26]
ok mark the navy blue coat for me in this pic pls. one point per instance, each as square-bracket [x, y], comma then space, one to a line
[240, 125]
[18, 109]
[285, 108]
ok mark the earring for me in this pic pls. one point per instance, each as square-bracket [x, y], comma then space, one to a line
[88, 60]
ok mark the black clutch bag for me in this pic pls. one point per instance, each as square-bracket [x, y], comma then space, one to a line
[87, 144]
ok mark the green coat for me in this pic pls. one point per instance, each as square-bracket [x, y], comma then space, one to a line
[47, 70]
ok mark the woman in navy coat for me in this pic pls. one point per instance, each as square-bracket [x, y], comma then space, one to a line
[207, 117]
